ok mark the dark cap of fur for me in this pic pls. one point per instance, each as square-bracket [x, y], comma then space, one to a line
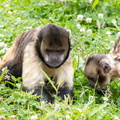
[55, 33]
[54, 29]
[96, 57]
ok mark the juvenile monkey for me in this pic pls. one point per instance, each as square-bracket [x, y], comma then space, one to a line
[101, 69]
[42, 49]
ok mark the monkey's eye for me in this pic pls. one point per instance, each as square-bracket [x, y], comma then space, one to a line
[48, 51]
[61, 51]
[56, 51]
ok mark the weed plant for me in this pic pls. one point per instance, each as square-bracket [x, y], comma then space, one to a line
[94, 27]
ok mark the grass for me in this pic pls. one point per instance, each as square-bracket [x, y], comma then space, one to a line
[96, 36]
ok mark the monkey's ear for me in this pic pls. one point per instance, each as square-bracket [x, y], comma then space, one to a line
[105, 66]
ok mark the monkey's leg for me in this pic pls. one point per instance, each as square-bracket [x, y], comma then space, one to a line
[44, 94]
[65, 92]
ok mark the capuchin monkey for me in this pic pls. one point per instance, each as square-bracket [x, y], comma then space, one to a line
[39, 51]
[101, 69]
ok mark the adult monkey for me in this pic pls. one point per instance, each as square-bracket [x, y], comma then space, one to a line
[42, 49]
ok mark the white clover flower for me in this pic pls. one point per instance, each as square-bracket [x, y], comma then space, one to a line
[114, 21]
[82, 30]
[2, 44]
[1, 98]
[9, 12]
[15, 11]
[2, 108]
[13, 117]
[108, 33]
[116, 118]
[1, 35]
[34, 117]
[67, 117]
[80, 17]
[105, 98]
[18, 18]
[28, 27]
[1, 26]
[88, 20]
[7, 77]
[6, 5]
[89, 32]
[100, 15]
[2, 51]
[78, 26]
[90, 1]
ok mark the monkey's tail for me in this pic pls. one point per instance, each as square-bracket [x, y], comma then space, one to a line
[116, 48]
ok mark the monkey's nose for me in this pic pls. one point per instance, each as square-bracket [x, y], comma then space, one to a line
[54, 58]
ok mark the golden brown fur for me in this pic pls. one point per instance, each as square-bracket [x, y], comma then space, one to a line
[42, 49]
[100, 69]
[9, 55]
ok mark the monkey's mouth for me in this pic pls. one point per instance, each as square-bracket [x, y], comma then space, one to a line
[53, 64]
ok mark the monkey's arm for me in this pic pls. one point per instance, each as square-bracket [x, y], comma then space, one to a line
[33, 77]
[66, 76]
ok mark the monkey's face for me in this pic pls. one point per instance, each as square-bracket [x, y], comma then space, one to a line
[54, 57]
[55, 54]
[98, 73]
[54, 45]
